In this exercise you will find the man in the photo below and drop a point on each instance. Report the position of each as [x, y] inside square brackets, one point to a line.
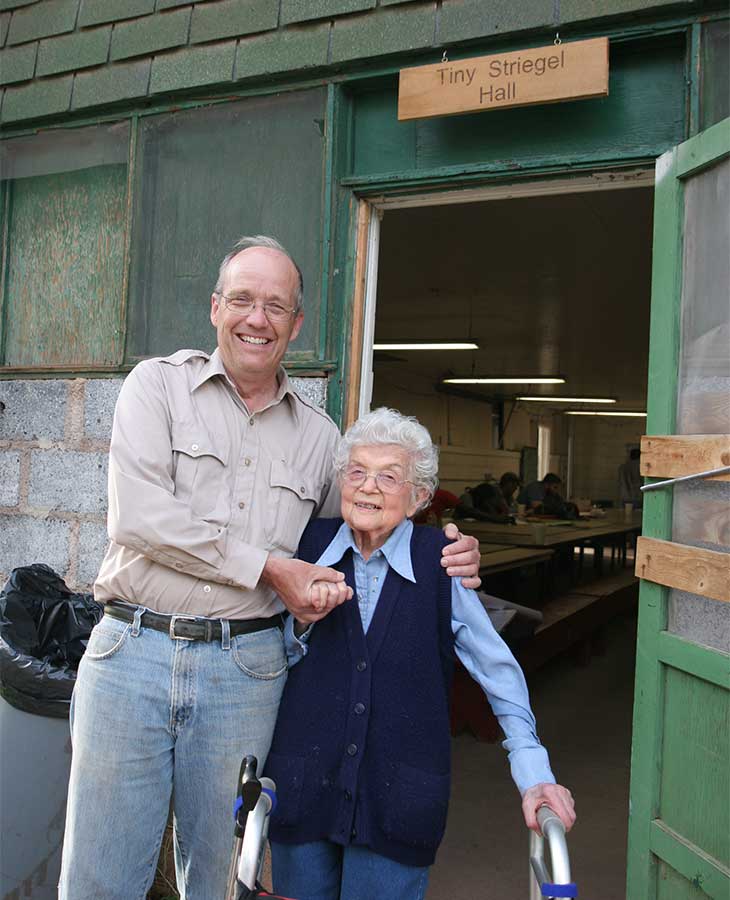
[544, 498]
[509, 483]
[215, 468]
[630, 479]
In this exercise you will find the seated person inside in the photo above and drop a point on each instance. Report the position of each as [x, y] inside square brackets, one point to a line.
[361, 750]
[543, 498]
[489, 501]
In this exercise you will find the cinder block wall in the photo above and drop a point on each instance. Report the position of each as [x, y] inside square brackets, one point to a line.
[54, 443]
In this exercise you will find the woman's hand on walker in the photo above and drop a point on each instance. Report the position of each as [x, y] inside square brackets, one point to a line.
[461, 558]
[557, 797]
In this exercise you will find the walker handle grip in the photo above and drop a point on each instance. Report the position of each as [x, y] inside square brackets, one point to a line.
[249, 791]
[553, 831]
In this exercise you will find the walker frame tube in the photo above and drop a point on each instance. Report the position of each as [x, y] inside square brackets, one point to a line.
[542, 884]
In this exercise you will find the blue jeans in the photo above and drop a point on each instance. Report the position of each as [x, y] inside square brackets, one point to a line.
[152, 719]
[322, 870]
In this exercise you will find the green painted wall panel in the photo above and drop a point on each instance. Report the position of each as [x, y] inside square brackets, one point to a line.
[695, 780]
[206, 177]
[64, 270]
[642, 116]
[673, 886]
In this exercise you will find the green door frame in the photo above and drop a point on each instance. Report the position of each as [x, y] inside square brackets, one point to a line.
[650, 839]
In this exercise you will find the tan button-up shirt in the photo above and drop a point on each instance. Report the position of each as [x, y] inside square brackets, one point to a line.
[201, 490]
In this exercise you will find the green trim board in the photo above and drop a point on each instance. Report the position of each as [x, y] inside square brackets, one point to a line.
[709, 147]
[700, 870]
[695, 659]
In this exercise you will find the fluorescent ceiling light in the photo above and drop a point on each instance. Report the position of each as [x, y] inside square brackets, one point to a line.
[530, 380]
[444, 345]
[568, 399]
[601, 412]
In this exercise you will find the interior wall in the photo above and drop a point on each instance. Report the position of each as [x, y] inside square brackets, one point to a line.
[600, 447]
[460, 428]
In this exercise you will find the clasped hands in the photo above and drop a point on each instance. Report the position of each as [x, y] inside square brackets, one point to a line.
[310, 592]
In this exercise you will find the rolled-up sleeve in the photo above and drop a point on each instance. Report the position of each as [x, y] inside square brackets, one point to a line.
[144, 514]
[491, 664]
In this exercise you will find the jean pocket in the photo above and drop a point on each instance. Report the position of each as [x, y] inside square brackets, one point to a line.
[413, 806]
[107, 638]
[261, 654]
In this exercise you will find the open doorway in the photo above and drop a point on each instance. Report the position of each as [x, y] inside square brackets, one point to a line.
[548, 280]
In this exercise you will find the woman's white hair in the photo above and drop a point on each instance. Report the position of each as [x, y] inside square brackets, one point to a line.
[388, 426]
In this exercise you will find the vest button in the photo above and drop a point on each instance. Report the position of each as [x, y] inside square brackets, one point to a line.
[353, 834]
[361, 665]
[348, 795]
[359, 709]
[351, 749]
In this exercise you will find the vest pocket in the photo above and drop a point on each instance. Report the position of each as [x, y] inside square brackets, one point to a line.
[413, 806]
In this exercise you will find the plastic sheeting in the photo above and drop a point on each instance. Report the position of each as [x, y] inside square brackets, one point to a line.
[44, 631]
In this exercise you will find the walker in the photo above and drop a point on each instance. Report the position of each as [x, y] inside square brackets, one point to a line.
[256, 798]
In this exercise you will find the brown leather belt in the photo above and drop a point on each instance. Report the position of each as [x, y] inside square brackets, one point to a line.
[190, 628]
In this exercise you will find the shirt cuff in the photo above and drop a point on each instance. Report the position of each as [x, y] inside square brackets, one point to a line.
[296, 647]
[243, 564]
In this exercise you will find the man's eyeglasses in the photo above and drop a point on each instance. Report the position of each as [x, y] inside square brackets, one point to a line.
[244, 306]
[387, 482]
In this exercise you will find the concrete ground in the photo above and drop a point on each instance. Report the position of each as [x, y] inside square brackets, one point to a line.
[584, 719]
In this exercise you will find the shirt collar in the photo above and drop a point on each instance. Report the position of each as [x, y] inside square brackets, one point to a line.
[396, 550]
[214, 366]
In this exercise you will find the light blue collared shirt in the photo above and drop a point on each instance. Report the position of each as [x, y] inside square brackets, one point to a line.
[481, 650]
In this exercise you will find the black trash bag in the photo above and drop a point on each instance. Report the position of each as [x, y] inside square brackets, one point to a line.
[44, 630]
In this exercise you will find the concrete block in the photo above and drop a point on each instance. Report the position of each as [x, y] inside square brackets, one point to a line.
[99, 401]
[73, 51]
[27, 540]
[192, 67]
[283, 51]
[121, 81]
[37, 99]
[17, 63]
[463, 20]
[9, 477]
[231, 18]
[93, 542]
[383, 31]
[150, 34]
[313, 389]
[94, 12]
[32, 410]
[43, 19]
[4, 23]
[301, 10]
[68, 481]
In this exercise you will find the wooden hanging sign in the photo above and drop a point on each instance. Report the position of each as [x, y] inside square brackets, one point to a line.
[566, 71]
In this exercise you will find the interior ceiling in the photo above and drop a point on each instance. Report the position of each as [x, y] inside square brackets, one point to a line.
[555, 285]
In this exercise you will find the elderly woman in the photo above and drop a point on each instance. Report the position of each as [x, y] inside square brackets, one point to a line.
[361, 751]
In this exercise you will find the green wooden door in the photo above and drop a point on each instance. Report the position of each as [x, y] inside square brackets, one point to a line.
[679, 826]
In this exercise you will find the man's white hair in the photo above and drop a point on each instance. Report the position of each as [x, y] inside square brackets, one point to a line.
[260, 240]
[388, 426]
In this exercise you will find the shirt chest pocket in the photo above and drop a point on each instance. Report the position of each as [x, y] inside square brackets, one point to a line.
[199, 464]
[293, 497]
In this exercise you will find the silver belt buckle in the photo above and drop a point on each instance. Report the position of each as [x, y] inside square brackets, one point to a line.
[180, 637]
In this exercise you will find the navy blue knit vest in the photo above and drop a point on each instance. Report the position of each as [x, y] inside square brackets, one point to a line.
[362, 753]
